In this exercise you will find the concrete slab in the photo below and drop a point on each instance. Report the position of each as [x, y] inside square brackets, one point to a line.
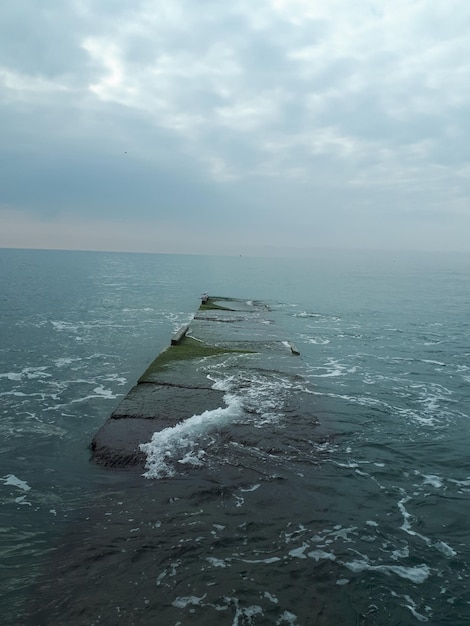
[175, 386]
[146, 409]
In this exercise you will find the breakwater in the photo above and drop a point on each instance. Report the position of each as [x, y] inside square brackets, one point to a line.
[173, 388]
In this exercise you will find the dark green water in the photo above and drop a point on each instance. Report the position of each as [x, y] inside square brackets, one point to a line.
[332, 488]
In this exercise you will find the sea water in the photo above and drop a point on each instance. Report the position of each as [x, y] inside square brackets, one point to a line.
[333, 489]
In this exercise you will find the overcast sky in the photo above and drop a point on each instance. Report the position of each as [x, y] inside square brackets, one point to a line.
[242, 127]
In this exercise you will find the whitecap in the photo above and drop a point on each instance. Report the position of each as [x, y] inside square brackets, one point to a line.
[401, 554]
[410, 604]
[270, 597]
[64, 361]
[268, 561]
[178, 441]
[182, 602]
[298, 553]
[433, 480]
[431, 362]
[193, 458]
[288, 617]
[253, 488]
[216, 562]
[11, 479]
[321, 554]
[239, 501]
[417, 574]
[99, 392]
[445, 549]
[318, 341]
[22, 500]
[11, 376]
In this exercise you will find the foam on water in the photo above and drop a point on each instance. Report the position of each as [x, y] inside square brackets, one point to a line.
[63, 361]
[28, 373]
[407, 526]
[183, 602]
[331, 369]
[98, 392]
[180, 443]
[411, 605]
[262, 396]
[417, 574]
[11, 479]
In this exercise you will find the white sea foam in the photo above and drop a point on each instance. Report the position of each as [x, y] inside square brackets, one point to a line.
[99, 392]
[120, 380]
[194, 458]
[262, 396]
[411, 605]
[404, 553]
[445, 549]
[184, 601]
[332, 368]
[407, 519]
[11, 376]
[306, 314]
[419, 616]
[11, 479]
[252, 488]
[244, 615]
[268, 561]
[28, 373]
[64, 361]
[288, 618]
[64, 326]
[431, 362]
[22, 501]
[180, 442]
[270, 597]
[299, 531]
[343, 533]
[433, 480]
[216, 562]
[239, 500]
[417, 574]
[320, 341]
[298, 553]
[321, 554]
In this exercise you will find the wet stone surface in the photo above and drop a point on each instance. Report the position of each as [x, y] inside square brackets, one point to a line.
[176, 386]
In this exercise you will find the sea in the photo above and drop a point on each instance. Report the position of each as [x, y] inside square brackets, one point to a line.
[332, 488]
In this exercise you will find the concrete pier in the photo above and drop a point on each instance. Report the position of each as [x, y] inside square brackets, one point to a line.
[178, 336]
[174, 387]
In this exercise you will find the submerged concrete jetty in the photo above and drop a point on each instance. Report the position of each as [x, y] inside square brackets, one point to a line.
[174, 388]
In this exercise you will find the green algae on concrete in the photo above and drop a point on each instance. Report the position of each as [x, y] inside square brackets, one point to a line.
[211, 305]
[187, 348]
[176, 385]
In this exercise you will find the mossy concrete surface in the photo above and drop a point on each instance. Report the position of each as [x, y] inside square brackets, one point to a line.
[187, 348]
[176, 386]
[210, 304]
[145, 409]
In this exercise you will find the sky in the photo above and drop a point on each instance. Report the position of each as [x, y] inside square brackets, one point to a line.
[262, 127]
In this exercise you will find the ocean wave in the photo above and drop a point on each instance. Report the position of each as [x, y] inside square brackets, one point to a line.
[181, 443]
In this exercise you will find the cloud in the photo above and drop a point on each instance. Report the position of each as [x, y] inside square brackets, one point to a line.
[286, 114]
